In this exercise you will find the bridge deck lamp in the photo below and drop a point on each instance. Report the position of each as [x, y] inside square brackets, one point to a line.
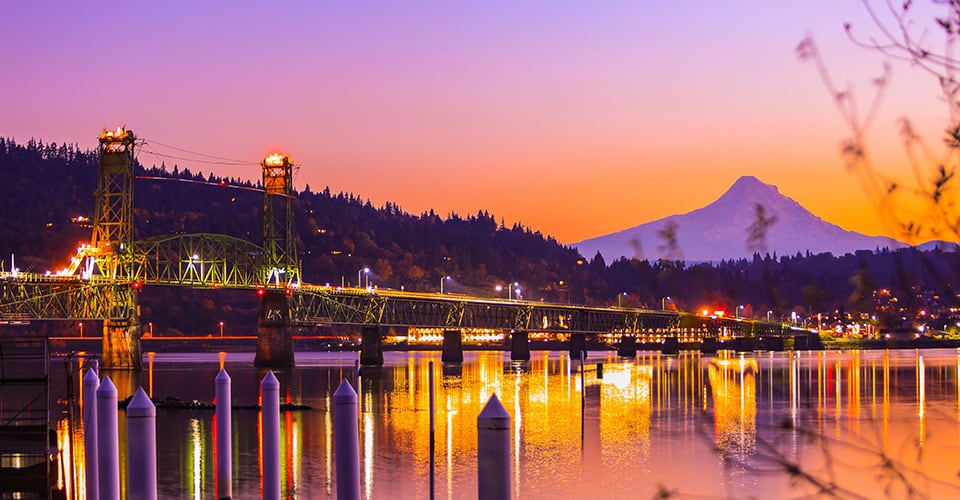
[365, 270]
[445, 278]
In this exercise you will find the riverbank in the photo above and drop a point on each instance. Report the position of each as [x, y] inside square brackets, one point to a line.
[319, 344]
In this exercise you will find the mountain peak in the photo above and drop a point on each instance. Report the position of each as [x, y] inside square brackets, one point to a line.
[724, 229]
[750, 184]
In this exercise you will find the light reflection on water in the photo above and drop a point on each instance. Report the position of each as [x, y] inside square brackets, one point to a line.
[688, 424]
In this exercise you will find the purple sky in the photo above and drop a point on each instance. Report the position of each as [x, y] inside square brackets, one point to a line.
[575, 118]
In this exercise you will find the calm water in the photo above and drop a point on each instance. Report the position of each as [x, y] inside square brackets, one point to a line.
[863, 423]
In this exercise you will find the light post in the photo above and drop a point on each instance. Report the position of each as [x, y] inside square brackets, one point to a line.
[151, 328]
[663, 303]
[736, 312]
[768, 315]
[221, 329]
[510, 289]
[81, 329]
[445, 278]
[619, 295]
[365, 270]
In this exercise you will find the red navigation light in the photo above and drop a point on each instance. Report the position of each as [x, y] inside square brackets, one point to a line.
[288, 292]
[137, 285]
[261, 292]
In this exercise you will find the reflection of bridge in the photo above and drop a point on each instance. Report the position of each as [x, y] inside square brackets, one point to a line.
[103, 280]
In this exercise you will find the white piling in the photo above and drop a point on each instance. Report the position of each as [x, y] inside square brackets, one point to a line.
[493, 451]
[347, 437]
[141, 447]
[91, 462]
[108, 441]
[270, 418]
[433, 439]
[224, 434]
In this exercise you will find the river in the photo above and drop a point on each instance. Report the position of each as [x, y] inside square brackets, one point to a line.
[766, 425]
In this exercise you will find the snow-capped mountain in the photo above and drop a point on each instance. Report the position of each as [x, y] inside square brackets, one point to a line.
[730, 228]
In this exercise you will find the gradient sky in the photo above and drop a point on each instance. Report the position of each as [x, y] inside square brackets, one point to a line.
[574, 118]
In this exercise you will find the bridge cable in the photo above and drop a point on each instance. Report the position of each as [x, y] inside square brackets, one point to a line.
[215, 157]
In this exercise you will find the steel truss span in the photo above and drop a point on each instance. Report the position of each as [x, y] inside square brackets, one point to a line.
[199, 260]
[36, 297]
[325, 306]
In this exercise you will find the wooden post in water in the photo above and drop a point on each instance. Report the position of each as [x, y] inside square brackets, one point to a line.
[493, 451]
[224, 432]
[108, 441]
[141, 447]
[91, 462]
[346, 435]
[270, 423]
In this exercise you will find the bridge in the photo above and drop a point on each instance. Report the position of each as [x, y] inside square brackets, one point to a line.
[103, 279]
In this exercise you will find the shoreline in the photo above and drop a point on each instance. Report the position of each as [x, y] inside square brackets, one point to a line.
[317, 344]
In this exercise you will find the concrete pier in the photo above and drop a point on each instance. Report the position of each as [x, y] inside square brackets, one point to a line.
[578, 344]
[519, 346]
[671, 345]
[452, 346]
[274, 340]
[371, 346]
[627, 348]
[708, 345]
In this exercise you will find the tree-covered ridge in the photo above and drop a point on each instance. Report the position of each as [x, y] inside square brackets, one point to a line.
[49, 185]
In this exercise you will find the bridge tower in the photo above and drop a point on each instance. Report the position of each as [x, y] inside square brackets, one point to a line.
[281, 271]
[111, 252]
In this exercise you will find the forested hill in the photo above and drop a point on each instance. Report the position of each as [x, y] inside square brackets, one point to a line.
[48, 186]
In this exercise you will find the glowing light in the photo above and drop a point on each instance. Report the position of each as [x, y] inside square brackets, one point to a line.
[276, 160]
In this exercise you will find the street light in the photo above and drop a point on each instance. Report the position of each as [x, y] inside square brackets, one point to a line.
[619, 295]
[736, 312]
[663, 303]
[81, 329]
[221, 329]
[365, 270]
[510, 290]
[768, 315]
[445, 278]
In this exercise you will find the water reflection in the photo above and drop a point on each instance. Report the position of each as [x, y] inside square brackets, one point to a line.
[691, 424]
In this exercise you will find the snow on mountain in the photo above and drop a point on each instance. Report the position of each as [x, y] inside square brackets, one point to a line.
[723, 229]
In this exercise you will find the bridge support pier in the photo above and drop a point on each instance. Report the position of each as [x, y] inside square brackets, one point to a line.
[371, 346]
[627, 348]
[671, 345]
[708, 345]
[807, 342]
[121, 337]
[121, 345]
[274, 340]
[452, 347]
[772, 343]
[519, 346]
[578, 344]
[745, 344]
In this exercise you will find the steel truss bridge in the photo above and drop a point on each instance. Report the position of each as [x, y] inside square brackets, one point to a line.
[102, 280]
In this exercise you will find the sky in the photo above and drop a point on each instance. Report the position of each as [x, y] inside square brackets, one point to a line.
[576, 119]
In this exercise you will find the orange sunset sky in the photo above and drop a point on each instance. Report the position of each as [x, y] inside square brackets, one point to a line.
[576, 119]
